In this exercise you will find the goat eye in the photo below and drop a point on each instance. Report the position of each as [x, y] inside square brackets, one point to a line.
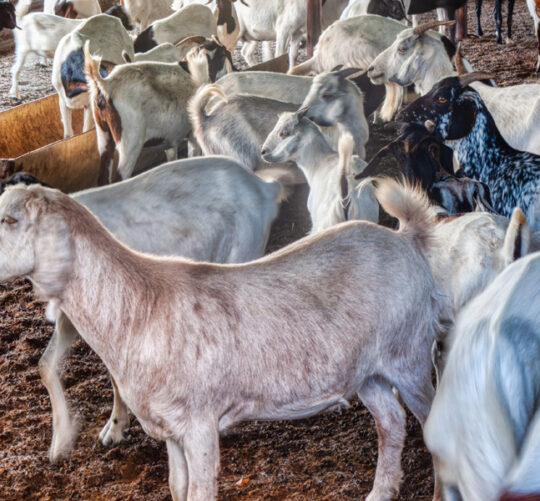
[8, 220]
[402, 50]
[327, 95]
[283, 133]
[442, 100]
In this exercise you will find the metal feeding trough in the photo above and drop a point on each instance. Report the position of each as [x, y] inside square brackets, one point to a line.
[32, 141]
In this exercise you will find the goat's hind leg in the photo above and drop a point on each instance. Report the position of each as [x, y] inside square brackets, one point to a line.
[377, 395]
[178, 472]
[113, 432]
[65, 429]
[478, 9]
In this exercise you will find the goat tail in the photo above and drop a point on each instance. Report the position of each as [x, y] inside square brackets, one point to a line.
[197, 104]
[22, 8]
[91, 70]
[517, 237]
[410, 206]
[304, 68]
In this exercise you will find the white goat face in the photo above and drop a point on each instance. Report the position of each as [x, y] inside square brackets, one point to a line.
[284, 140]
[403, 62]
[323, 104]
[17, 234]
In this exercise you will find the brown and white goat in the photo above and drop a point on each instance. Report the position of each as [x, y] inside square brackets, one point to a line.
[137, 103]
[191, 352]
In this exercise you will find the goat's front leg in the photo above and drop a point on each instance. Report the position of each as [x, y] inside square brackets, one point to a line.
[294, 48]
[113, 432]
[16, 71]
[248, 52]
[88, 122]
[178, 471]
[129, 149]
[201, 447]
[478, 9]
[389, 417]
[65, 113]
[64, 427]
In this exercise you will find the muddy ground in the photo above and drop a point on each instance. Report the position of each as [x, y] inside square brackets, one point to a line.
[330, 456]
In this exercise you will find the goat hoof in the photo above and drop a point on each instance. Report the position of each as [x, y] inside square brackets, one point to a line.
[112, 434]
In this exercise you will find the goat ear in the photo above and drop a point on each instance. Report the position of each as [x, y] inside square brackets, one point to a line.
[125, 57]
[349, 72]
[517, 238]
[463, 116]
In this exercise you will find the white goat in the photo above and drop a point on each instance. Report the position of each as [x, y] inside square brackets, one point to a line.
[422, 57]
[355, 43]
[207, 209]
[486, 407]
[39, 34]
[324, 338]
[145, 12]
[334, 195]
[279, 20]
[135, 104]
[108, 39]
[334, 100]
[192, 20]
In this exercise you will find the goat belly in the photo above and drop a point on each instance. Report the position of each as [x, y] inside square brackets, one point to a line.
[421, 6]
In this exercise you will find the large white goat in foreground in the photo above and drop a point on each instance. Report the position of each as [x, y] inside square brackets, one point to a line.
[197, 347]
[483, 429]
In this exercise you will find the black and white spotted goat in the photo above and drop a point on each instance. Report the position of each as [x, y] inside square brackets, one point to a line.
[462, 119]
[423, 159]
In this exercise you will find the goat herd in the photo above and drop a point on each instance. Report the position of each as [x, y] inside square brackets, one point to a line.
[197, 343]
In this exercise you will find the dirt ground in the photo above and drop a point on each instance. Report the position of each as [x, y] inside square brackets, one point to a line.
[330, 456]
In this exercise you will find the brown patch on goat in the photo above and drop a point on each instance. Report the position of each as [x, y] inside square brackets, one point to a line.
[537, 7]
[107, 116]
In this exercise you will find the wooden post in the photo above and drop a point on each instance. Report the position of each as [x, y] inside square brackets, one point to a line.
[461, 23]
[313, 24]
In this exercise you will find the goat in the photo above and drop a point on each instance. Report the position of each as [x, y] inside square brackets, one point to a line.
[486, 407]
[393, 9]
[187, 379]
[237, 126]
[144, 12]
[292, 89]
[460, 116]
[334, 196]
[497, 15]
[422, 57]
[424, 159]
[355, 43]
[77, 8]
[41, 33]
[224, 216]
[137, 104]
[8, 17]
[534, 9]
[192, 20]
[333, 100]
[279, 20]
[107, 37]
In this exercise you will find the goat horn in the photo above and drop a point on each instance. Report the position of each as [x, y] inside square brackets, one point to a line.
[458, 61]
[348, 72]
[197, 39]
[422, 28]
[469, 78]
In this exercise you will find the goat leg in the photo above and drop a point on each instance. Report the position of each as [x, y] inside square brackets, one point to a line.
[478, 9]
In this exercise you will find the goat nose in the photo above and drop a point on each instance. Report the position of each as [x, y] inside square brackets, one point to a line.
[264, 151]
[370, 69]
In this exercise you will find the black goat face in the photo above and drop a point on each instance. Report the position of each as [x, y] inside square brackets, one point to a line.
[447, 105]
